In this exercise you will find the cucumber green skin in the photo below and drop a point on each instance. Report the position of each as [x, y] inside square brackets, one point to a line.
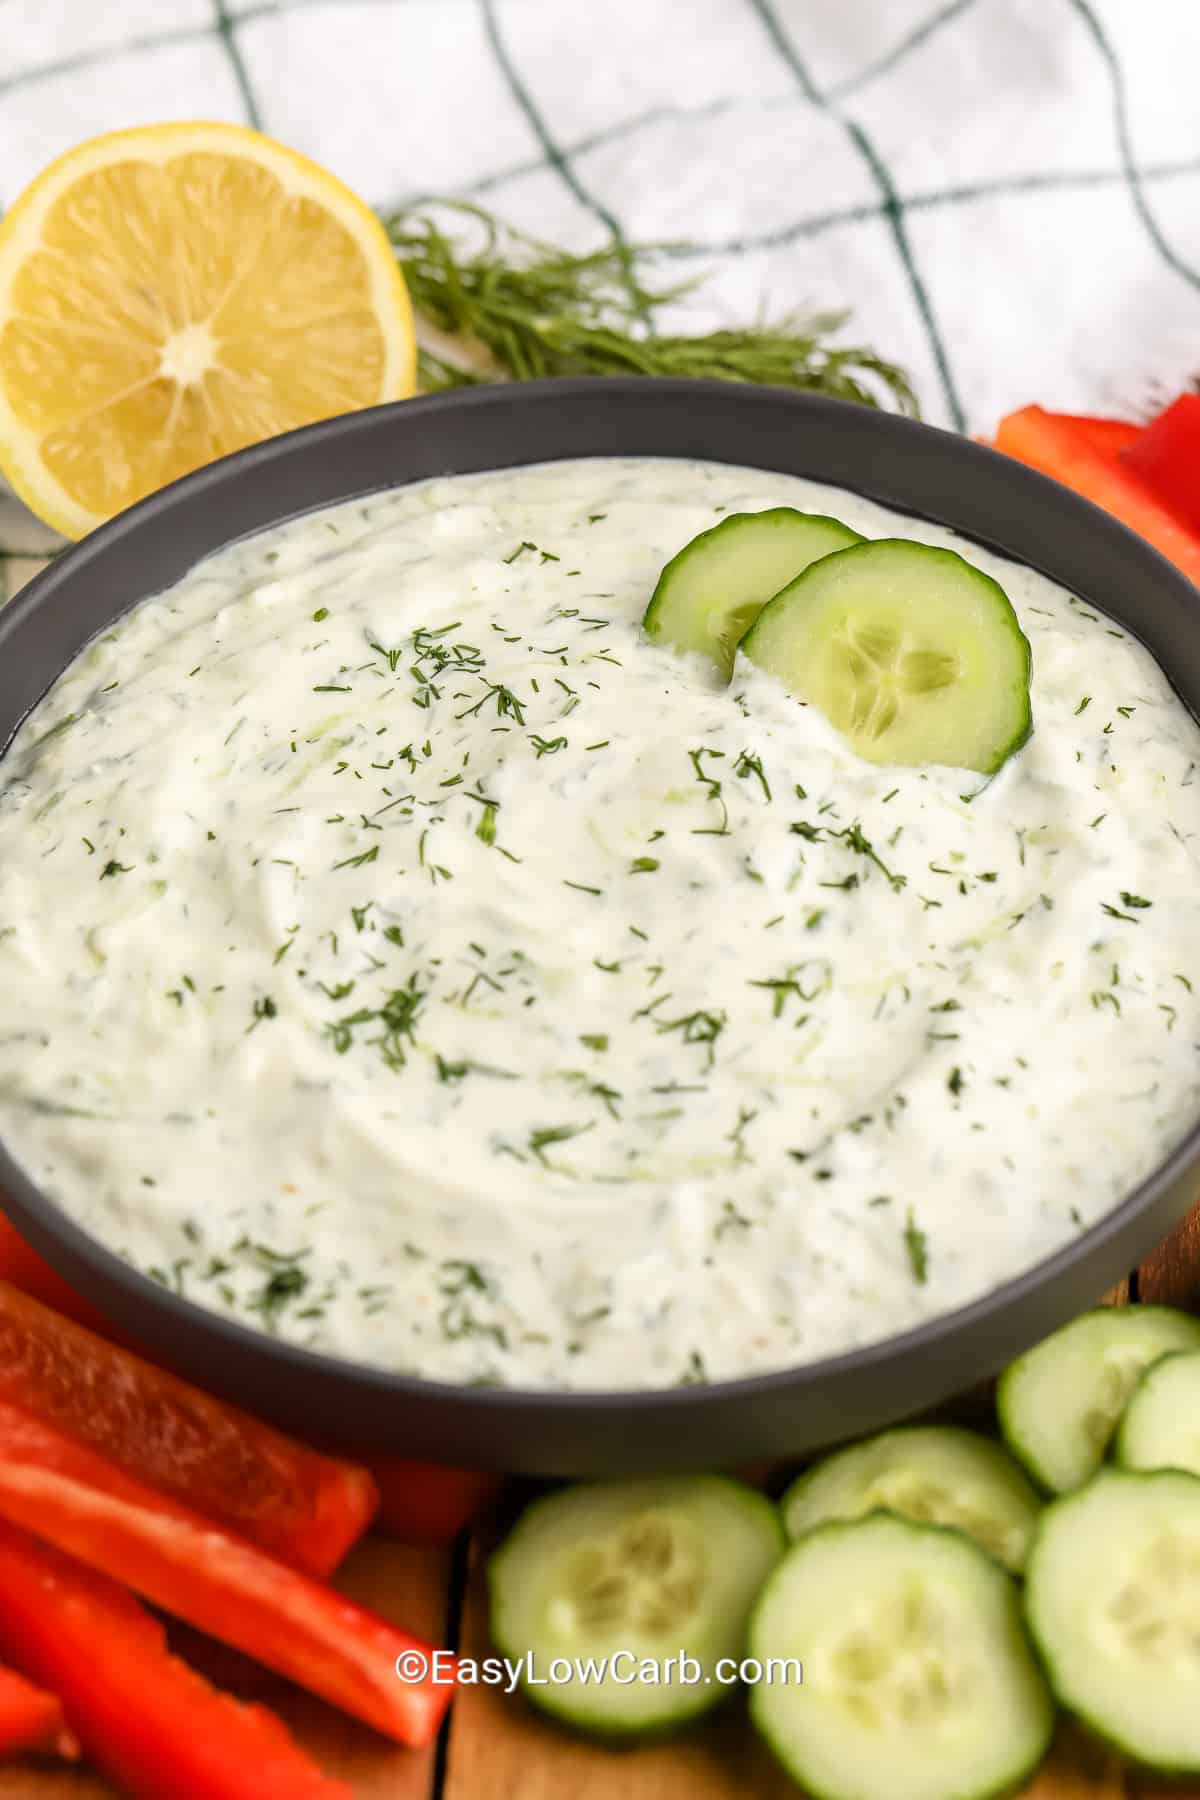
[752, 643]
[1007, 1472]
[653, 621]
[1013, 1782]
[1049, 1663]
[692, 1703]
[1008, 1414]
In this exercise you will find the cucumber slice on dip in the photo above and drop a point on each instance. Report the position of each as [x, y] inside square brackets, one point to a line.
[914, 655]
[933, 1474]
[651, 1568]
[709, 595]
[919, 1682]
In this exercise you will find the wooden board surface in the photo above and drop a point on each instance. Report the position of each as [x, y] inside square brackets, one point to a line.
[495, 1747]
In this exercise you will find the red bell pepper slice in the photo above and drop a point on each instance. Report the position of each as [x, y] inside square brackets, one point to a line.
[426, 1503]
[301, 1506]
[144, 1717]
[1109, 436]
[1166, 455]
[1045, 442]
[21, 1264]
[87, 1506]
[31, 1719]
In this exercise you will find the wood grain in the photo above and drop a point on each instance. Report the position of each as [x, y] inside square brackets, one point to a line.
[1171, 1275]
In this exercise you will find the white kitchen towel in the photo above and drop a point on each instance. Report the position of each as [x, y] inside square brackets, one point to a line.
[1006, 193]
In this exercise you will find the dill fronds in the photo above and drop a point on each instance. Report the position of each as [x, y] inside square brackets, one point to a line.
[510, 307]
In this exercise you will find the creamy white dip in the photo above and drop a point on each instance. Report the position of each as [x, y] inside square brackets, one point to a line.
[400, 953]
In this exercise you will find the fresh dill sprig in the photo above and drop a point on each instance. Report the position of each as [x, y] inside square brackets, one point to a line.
[508, 306]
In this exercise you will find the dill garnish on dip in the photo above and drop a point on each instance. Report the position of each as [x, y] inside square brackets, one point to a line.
[402, 951]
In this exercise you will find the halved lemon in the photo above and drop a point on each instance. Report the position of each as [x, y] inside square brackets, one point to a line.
[173, 293]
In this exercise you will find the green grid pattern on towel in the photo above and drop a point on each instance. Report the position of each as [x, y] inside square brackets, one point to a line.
[883, 202]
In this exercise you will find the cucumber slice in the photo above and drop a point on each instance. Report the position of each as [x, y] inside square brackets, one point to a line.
[1060, 1402]
[914, 655]
[652, 1568]
[1112, 1597]
[1160, 1428]
[709, 595]
[919, 1683]
[934, 1474]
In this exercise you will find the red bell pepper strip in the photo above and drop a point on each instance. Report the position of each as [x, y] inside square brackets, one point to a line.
[425, 1503]
[21, 1264]
[31, 1719]
[1166, 455]
[1045, 442]
[91, 1509]
[301, 1506]
[1109, 436]
[144, 1717]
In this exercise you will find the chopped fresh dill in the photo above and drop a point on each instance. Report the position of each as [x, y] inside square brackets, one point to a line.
[780, 986]
[747, 766]
[397, 1015]
[507, 704]
[264, 1008]
[700, 1027]
[547, 1135]
[917, 1245]
[696, 758]
[357, 862]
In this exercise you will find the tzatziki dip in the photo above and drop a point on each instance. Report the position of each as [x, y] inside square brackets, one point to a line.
[403, 953]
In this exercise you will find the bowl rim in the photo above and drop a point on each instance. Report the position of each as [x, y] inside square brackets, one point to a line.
[51, 1230]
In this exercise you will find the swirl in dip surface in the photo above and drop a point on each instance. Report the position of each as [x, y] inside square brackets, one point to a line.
[399, 952]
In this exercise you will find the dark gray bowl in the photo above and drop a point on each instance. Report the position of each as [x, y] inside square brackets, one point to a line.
[908, 466]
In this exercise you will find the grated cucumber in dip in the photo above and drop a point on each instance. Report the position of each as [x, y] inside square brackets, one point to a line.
[402, 953]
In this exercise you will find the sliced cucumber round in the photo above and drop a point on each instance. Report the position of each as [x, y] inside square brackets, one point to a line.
[1059, 1403]
[1160, 1428]
[919, 1683]
[709, 595]
[934, 1474]
[650, 1568]
[914, 655]
[1113, 1597]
